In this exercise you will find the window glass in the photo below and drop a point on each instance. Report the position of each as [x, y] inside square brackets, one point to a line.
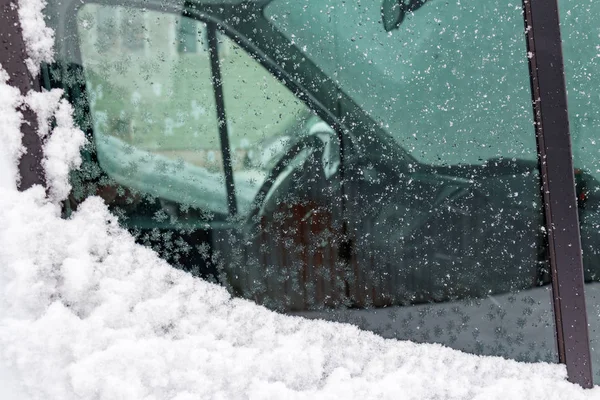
[133, 27]
[154, 114]
[106, 20]
[188, 34]
[263, 118]
[157, 140]
[419, 217]
[580, 30]
[446, 247]
[437, 96]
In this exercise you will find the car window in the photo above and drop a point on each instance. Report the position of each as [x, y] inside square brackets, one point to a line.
[169, 125]
[231, 167]
[263, 118]
[448, 84]
[153, 108]
[156, 124]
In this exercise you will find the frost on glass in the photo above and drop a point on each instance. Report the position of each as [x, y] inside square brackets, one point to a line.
[309, 159]
[580, 30]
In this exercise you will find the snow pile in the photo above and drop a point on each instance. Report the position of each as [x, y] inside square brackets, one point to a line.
[39, 39]
[62, 151]
[62, 148]
[44, 104]
[10, 132]
[90, 314]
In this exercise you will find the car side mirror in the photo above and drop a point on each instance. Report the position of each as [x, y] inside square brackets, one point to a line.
[392, 14]
[394, 11]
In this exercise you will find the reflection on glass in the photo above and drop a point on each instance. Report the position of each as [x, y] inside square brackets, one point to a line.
[418, 217]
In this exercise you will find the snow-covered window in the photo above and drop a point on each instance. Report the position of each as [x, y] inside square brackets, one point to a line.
[317, 162]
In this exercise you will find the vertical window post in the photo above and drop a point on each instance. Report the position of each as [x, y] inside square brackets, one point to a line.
[211, 33]
[558, 183]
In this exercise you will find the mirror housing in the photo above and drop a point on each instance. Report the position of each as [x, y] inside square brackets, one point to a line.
[394, 11]
[392, 14]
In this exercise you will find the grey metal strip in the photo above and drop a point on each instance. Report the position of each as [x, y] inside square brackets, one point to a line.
[558, 185]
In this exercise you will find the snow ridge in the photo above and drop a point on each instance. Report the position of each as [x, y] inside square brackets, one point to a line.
[10, 132]
[39, 39]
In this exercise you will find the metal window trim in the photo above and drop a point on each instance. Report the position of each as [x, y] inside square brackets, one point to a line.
[548, 90]
[217, 82]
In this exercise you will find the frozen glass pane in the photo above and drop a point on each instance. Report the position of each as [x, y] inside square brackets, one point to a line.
[258, 135]
[444, 221]
[155, 129]
[449, 83]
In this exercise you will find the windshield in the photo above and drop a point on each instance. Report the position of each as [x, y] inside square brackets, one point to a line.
[450, 84]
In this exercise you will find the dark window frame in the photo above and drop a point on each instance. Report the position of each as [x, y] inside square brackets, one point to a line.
[217, 85]
[555, 155]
